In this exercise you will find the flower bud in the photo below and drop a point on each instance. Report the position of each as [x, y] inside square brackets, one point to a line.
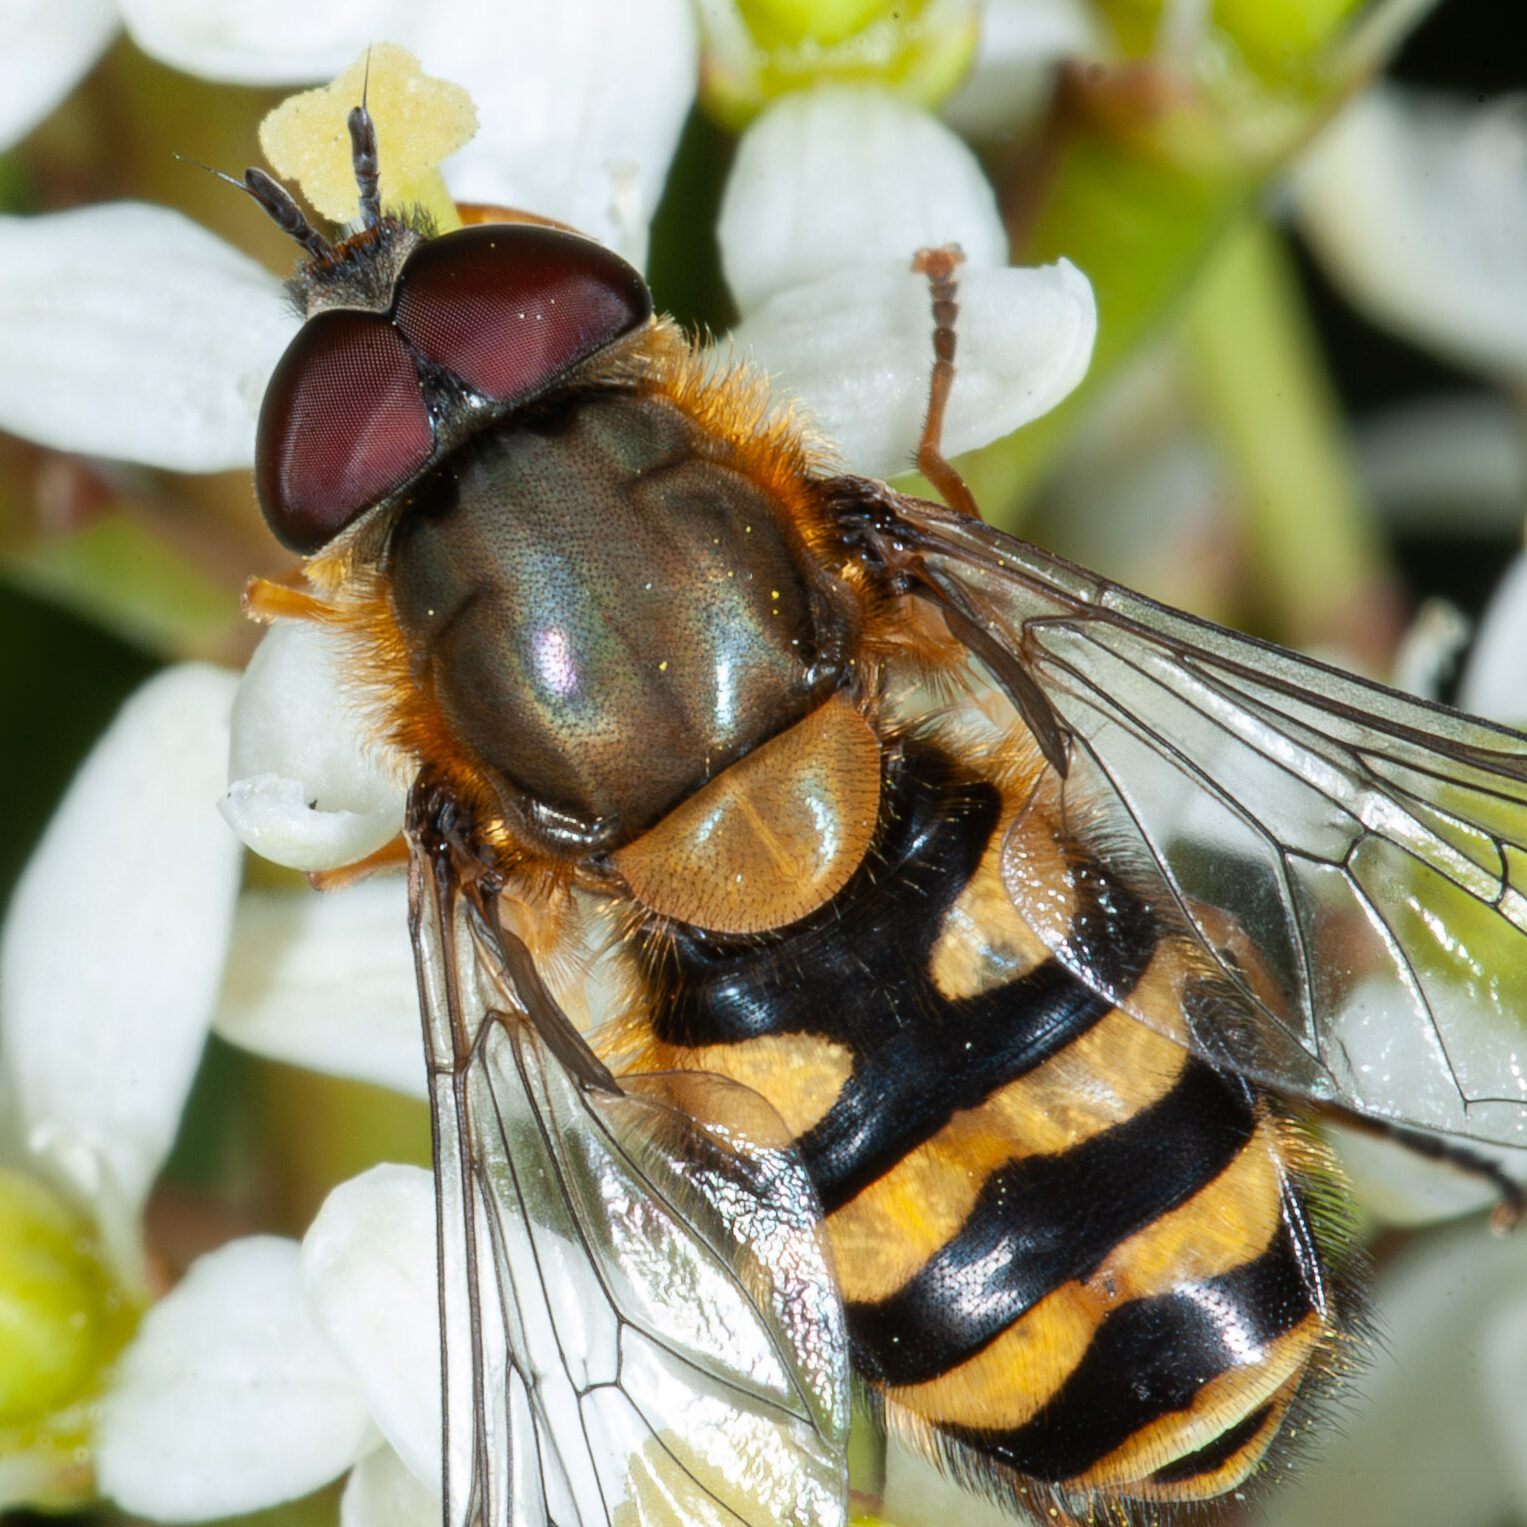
[62, 1322]
[757, 50]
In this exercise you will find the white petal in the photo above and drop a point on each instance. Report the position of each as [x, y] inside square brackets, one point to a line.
[919, 1494]
[228, 1398]
[382, 1493]
[261, 42]
[842, 175]
[1495, 682]
[327, 981]
[307, 787]
[580, 105]
[1430, 651]
[273, 815]
[857, 349]
[1503, 1375]
[1399, 1187]
[1418, 207]
[1457, 459]
[1415, 1444]
[45, 46]
[1022, 43]
[113, 949]
[130, 332]
[368, 1268]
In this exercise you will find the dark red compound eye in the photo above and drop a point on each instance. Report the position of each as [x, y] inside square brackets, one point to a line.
[342, 425]
[510, 307]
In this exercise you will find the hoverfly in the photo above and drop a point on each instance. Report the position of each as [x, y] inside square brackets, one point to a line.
[972, 928]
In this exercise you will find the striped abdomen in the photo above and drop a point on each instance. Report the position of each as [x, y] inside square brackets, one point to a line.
[1069, 1251]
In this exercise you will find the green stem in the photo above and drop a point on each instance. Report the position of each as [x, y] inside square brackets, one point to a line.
[1268, 400]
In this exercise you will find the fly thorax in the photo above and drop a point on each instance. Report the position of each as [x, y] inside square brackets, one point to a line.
[607, 613]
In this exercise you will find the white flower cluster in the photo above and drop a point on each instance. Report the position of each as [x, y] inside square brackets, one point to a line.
[127, 332]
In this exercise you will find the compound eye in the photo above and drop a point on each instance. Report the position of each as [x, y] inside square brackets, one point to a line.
[343, 424]
[510, 307]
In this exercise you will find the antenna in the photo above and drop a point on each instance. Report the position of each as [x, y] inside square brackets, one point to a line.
[363, 155]
[282, 209]
[279, 204]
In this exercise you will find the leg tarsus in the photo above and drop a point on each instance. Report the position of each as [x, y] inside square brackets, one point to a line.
[265, 601]
[1511, 1197]
[1510, 1203]
[939, 266]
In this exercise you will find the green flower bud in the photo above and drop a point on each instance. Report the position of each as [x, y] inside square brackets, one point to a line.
[1282, 41]
[1281, 37]
[62, 1322]
[756, 50]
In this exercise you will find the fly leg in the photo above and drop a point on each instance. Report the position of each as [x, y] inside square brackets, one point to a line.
[939, 265]
[1511, 1198]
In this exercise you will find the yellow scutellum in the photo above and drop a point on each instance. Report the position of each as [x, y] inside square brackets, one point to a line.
[419, 121]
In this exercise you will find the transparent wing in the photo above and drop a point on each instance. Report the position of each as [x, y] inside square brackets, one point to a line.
[1350, 859]
[640, 1325]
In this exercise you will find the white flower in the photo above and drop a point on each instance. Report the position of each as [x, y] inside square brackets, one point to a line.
[1417, 205]
[831, 191]
[157, 349]
[110, 959]
[1495, 681]
[229, 1396]
[594, 157]
[45, 47]
[272, 1369]
[248, 1384]
[132, 333]
[307, 788]
[327, 981]
[112, 954]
